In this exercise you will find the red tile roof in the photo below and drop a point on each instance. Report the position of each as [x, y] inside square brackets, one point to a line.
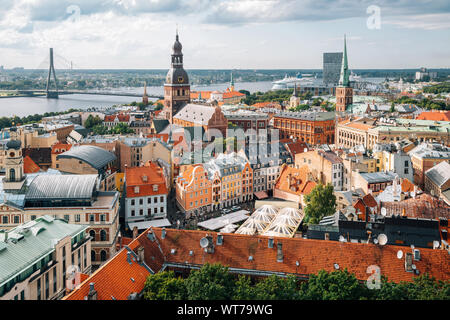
[407, 186]
[59, 148]
[120, 117]
[232, 94]
[113, 280]
[161, 136]
[145, 178]
[29, 166]
[114, 277]
[437, 115]
[312, 255]
[299, 182]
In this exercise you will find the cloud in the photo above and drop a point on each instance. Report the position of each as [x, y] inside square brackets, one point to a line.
[240, 12]
[425, 21]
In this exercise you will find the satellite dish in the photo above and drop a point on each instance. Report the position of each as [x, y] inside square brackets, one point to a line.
[375, 241]
[341, 238]
[412, 246]
[204, 242]
[435, 244]
[399, 254]
[382, 239]
[383, 212]
[336, 266]
[413, 267]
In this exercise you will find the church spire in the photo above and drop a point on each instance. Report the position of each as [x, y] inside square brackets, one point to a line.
[231, 83]
[344, 78]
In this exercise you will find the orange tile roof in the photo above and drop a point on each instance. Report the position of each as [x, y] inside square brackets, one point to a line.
[298, 180]
[120, 117]
[161, 136]
[370, 201]
[58, 148]
[135, 176]
[113, 279]
[359, 126]
[312, 255]
[29, 166]
[407, 186]
[232, 94]
[205, 94]
[434, 115]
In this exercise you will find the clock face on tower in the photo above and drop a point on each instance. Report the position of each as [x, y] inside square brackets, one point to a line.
[180, 79]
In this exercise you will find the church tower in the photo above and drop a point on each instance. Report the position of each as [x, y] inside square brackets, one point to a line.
[14, 177]
[145, 96]
[176, 88]
[344, 93]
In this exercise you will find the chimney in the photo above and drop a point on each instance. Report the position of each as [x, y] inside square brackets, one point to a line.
[327, 236]
[92, 295]
[151, 235]
[279, 252]
[270, 243]
[219, 239]
[163, 233]
[135, 232]
[140, 254]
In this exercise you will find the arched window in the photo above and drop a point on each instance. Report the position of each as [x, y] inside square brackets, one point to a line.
[103, 255]
[93, 257]
[103, 235]
[92, 234]
[12, 174]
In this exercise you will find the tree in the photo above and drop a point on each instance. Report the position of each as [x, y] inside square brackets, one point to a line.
[337, 285]
[159, 106]
[277, 288]
[121, 128]
[164, 286]
[320, 202]
[247, 93]
[100, 129]
[211, 282]
[243, 289]
[392, 107]
[92, 121]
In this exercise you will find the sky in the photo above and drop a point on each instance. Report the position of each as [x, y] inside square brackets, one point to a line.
[225, 34]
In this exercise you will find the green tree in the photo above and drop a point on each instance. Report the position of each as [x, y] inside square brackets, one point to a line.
[277, 288]
[211, 282]
[320, 202]
[100, 129]
[337, 285]
[121, 128]
[243, 289]
[247, 93]
[164, 286]
[159, 106]
[392, 109]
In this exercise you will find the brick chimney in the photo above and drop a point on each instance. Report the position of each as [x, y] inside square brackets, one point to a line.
[135, 232]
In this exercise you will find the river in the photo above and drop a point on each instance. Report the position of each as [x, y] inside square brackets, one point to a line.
[32, 105]
[25, 106]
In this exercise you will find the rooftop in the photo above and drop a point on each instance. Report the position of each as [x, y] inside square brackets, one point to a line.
[94, 156]
[29, 242]
[439, 174]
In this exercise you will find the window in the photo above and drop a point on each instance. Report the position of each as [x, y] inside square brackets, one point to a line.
[16, 219]
[141, 201]
[47, 289]
[132, 213]
[161, 199]
[93, 257]
[103, 255]
[91, 218]
[84, 256]
[33, 217]
[141, 212]
[103, 217]
[38, 289]
[67, 217]
[77, 218]
[5, 219]
[103, 235]
[162, 209]
[55, 281]
[149, 200]
[155, 199]
[92, 234]
[132, 202]
[155, 210]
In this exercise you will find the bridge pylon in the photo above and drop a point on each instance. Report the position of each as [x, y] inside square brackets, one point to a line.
[51, 71]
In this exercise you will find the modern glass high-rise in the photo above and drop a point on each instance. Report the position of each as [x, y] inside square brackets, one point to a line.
[332, 62]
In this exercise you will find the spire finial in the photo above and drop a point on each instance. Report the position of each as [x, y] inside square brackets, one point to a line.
[177, 32]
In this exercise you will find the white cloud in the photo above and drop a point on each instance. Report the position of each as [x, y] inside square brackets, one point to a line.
[424, 21]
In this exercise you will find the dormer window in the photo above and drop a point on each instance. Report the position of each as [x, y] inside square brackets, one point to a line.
[155, 187]
[136, 189]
